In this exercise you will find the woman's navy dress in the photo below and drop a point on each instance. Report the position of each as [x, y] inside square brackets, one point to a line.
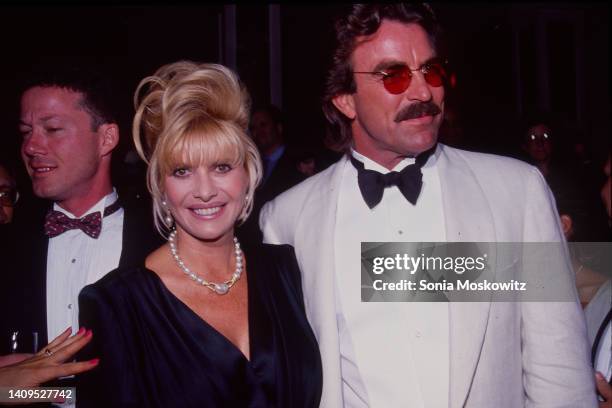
[156, 352]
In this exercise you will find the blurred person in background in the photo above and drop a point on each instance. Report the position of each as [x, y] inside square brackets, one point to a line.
[8, 194]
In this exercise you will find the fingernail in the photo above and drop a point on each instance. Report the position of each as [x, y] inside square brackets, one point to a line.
[599, 376]
[81, 330]
[89, 333]
[68, 329]
[94, 361]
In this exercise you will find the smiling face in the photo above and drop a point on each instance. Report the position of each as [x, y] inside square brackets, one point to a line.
[59, 149]
[206, 200]
[377, 132]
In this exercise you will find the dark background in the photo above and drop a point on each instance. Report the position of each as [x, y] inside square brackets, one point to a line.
[509, 58]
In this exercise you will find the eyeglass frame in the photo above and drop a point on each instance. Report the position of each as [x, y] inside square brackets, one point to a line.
[432, 61]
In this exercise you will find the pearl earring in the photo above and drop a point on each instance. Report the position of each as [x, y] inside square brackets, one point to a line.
[168, 220]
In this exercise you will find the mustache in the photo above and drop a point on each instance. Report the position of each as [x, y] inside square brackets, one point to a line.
[416, 110]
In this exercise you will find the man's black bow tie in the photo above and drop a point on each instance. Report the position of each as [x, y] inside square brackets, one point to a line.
[372, 184]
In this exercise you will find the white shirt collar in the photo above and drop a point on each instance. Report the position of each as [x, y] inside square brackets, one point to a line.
[99, 206]
[370, 164]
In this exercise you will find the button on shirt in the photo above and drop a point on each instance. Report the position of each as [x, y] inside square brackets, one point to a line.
[75, 260]
[379, 368]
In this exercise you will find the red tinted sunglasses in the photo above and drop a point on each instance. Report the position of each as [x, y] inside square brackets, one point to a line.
[397, 79]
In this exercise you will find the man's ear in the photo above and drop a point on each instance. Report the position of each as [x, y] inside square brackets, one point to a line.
[567, 225]
[109, 137]
[345, 104]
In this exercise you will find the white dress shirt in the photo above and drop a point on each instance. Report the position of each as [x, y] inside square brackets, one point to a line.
[378, 367]
[74, 260]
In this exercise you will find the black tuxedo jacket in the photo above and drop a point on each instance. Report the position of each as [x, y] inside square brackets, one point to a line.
[23, 300]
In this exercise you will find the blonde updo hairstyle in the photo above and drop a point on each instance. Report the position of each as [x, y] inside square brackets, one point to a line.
[189, 114]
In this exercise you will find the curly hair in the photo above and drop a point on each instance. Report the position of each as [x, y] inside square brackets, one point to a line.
[192, 113]
[364, 20]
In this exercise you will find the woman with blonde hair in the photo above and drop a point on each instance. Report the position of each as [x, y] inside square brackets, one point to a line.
[202, 323]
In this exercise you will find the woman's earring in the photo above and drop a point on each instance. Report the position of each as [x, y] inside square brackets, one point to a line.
[247, 200]
[168, 220]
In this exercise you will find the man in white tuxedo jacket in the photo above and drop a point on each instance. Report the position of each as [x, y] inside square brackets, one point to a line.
[385, 97]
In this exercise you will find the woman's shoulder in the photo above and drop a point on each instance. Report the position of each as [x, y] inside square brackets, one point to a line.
[276, 262]
[281, 250]
[119, 282]
[271, 255]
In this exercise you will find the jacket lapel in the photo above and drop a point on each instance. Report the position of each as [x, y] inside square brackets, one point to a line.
[316, 255]
[468, 218]
[27, 282]
[38, 282]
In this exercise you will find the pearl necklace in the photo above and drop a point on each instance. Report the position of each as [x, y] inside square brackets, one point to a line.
[218, 288]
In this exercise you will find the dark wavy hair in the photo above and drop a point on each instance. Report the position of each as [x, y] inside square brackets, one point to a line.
[364, 20]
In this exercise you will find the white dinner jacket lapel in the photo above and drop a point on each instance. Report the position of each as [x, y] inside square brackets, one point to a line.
[469, 219]
[315, 253]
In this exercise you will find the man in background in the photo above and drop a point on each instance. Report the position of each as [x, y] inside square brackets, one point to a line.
[8, 195]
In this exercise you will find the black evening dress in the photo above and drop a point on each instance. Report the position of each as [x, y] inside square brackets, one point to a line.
[156, 352]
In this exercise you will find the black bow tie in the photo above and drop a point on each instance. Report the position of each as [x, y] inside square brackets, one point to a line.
[372, 184]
